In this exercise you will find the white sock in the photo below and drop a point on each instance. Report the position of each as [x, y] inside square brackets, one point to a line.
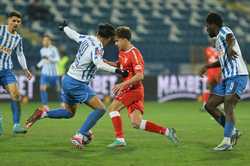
[234, 131]
[167, 132]
[121, 139]
[227, 140]
[143, 124]
[16, 124]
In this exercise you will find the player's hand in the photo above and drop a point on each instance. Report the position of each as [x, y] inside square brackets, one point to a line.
[123, 73]
[28, 74]
[232, 53]
[62, 25]
[118, 88]
[202, 71]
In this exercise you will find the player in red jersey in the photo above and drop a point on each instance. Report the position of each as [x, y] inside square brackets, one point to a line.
[130, 92]
[213, 74]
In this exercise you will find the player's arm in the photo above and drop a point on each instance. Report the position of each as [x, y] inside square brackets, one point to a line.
[207, 66]
[72, 34]
[114, 64]
[22, 60]
[100, 64]
[230, 44]
[139, 76]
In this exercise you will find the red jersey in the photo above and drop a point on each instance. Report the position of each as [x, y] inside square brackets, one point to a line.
[211, 55]
[213, 74]
[132, 61]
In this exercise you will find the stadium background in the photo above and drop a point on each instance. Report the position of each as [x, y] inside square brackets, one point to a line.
[170, 34]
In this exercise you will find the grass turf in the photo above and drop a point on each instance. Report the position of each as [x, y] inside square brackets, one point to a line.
[48, 141]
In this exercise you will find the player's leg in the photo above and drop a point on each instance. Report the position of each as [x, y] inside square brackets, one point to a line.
[15, 107]
[211, 107]
[137, 121]
[114, 113]
[84, 134]
[68, 111]
[44, 82]
[98, 111]
[71, 103]
[234, 88]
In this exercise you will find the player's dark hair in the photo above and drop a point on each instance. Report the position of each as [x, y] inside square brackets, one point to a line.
[14, 14]
[106, 30]
[123, 32]
[214, 18]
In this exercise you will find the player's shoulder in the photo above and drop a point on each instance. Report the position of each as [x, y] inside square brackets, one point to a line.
[136, 52]
[92, 41]
[225, 30]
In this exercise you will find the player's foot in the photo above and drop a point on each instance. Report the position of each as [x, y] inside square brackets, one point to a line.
[223, 147]
[35, 116]
[172, 136]
[17, 129]
[235, 137]
[77, 141]
[116, 144]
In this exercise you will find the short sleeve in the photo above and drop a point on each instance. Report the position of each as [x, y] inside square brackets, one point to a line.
[137, 61]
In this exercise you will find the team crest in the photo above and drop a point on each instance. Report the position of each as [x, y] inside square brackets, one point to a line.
[98, 52]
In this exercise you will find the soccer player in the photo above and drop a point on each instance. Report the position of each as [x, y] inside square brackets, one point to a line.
[234, 79]
[49, 75]
[75, 87]
[130, 93]
[11, 41]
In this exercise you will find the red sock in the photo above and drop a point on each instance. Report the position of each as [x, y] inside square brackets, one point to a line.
[152, 127]
[117, 123]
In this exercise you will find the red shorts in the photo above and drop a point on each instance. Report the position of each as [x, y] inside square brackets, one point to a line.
[133, 99]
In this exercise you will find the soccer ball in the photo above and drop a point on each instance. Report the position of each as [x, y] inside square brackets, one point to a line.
[88, 139]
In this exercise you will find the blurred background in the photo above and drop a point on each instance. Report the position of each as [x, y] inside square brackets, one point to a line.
[170, 34]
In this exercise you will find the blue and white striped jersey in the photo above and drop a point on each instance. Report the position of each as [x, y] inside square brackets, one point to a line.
[52, 57]
[10, 42]
[89, 53]
[230, 67]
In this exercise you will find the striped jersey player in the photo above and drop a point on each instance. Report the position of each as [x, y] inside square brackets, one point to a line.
[49, 76]
[11, 43]
[233, 83]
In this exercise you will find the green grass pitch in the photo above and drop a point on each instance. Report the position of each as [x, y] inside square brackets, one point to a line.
[48, 141]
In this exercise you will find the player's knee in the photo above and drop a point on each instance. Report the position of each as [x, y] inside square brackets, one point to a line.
[111, 109]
